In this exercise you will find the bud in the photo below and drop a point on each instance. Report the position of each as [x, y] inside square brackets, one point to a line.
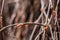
[54, 13]
[19, 25]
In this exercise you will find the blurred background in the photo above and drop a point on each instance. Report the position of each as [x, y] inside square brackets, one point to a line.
[29, 19]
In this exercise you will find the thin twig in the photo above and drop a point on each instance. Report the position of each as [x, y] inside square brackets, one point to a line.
[51, 32]
[28, 23]
[14, 12]
[2, 7]
[35, 26]
[39, 34]
[2, 17]
[42, 7]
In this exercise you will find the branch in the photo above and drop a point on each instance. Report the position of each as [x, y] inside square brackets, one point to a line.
[28, 23]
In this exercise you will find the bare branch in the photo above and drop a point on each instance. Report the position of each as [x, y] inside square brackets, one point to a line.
[28, 23]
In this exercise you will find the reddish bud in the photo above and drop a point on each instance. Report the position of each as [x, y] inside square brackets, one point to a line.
[19, 25]
[46, 27]
[54, 14]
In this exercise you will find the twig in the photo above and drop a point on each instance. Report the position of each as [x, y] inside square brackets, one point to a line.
[35, 26]
[47, 13]
[43, 35]
[14, 12]
[2, 17]
[39, 33]
[51, 32]
[28, 23]
[31, 17]
[18, 31]
[2, 7]
[42, 7]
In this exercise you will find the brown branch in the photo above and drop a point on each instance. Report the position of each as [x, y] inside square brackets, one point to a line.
[29, 23]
